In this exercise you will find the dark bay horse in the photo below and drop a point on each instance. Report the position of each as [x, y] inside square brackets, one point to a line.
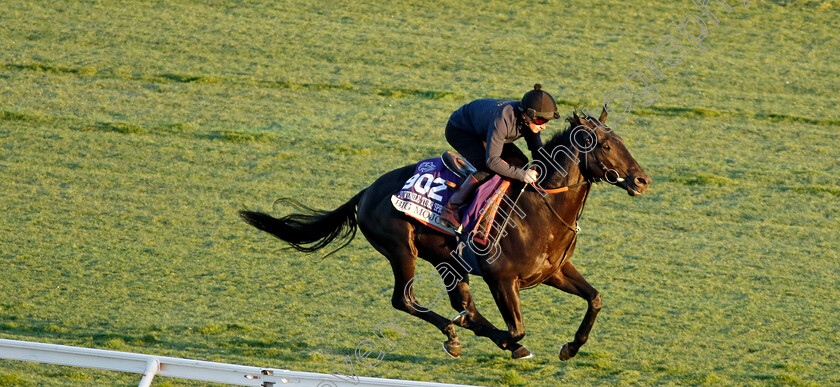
[535, 251]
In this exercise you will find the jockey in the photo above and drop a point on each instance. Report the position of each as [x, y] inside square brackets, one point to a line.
[483, 132]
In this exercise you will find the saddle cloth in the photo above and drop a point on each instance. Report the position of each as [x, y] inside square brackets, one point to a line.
[423, 196]
[429, 189]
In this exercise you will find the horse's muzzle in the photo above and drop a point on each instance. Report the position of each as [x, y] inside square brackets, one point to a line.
[636, 185]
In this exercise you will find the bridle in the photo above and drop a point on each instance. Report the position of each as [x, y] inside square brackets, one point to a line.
[576, 228]
[588, 181]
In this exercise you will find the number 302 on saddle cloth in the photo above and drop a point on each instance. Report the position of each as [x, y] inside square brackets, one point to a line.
[428, 190]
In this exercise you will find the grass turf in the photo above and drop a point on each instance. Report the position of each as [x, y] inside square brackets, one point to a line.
[132, 132]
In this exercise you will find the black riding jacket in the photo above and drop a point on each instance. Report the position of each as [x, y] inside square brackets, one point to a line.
[496, 121]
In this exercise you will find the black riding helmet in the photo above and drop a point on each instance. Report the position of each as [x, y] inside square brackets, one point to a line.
[539, 104]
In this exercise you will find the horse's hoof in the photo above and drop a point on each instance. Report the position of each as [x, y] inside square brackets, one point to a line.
[566, 352]
[452, 348]
[522, 353]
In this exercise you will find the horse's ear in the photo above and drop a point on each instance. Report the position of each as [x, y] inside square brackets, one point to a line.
[577, 121]
[603, 116]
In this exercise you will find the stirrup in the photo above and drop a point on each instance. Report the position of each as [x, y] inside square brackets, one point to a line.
[457, 227]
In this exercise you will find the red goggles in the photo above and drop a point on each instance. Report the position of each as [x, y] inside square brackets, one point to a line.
[539, 121]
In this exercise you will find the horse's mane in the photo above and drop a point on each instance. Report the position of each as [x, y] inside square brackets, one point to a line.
[561, 138]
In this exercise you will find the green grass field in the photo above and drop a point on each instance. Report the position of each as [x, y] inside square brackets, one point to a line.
[132, 132]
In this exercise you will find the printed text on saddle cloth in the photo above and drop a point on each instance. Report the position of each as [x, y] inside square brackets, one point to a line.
[426, 192]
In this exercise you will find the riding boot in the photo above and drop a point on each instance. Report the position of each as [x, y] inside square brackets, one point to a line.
[451, 214]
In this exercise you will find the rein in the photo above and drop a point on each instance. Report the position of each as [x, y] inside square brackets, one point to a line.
[561, 189]
[576, 228]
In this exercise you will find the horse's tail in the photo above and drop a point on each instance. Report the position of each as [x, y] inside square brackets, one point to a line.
[314, 229]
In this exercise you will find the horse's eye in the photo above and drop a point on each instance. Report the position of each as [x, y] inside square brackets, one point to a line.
[606, 147]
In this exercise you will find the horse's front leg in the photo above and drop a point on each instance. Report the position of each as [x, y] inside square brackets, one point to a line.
[506, 294]
[569, 280]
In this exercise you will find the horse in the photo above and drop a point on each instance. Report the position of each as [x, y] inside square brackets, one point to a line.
[536, 251]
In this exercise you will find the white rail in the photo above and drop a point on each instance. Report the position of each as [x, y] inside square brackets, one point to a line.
[150, 366]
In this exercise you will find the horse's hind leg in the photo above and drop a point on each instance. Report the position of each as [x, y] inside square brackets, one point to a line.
[403, 258]
[456, 282]
[391, 234]
[569, 280]
[506, 294]
[461, 300]
[403, 299]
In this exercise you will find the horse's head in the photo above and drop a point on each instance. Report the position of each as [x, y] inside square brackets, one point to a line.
[603, 155]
